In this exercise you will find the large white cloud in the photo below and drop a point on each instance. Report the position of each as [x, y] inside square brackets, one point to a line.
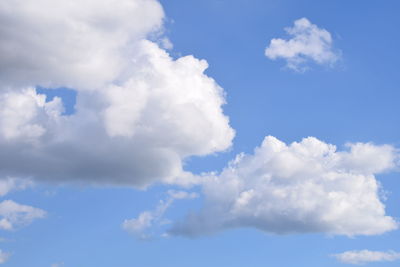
[77, 44]
[308, 43]
[366, 256]
[303, 187]
[139, 112]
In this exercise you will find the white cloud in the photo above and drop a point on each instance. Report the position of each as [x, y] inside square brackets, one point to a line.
[77, 44]
[366, 256]
[10, 184]
[166, 43]
[308, 42]
[303, 187]
[140, 227]
[57, 264]
[174, 194]
[18, 112]
[14, 215]
[4, 256]
[139, 113]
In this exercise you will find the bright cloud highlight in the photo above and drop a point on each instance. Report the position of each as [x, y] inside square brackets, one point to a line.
[76, 44]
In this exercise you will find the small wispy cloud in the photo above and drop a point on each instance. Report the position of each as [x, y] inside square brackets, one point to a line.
[4, 256]
[13, 214]
[366, 256]
[141, 225]
[308, 43]
[11, 184]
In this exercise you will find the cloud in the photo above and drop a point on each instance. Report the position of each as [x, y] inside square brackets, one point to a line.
[166, 43]
[77, 44]
[14, 215]
[304, 187]
[140, 227]
[10, 184]
[57, 264]
[308, 43]
[366, 256]
[4, 256]
[139, 113]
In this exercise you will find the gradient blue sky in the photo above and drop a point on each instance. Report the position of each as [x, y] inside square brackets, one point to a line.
[355, 100]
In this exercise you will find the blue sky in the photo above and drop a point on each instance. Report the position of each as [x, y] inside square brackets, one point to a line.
[115, 154]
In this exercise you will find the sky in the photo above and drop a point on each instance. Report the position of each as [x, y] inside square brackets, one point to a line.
[199, 133]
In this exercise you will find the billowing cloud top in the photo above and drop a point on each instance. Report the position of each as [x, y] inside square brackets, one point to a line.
[139, 112]
[298, 188]
[77, 44]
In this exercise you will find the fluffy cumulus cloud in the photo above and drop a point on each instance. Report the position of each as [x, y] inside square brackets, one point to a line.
[307, 186]
[14, 215]
[141, 226]
[78, 44]
[139, 113]
[366, 256]
[307, 43]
